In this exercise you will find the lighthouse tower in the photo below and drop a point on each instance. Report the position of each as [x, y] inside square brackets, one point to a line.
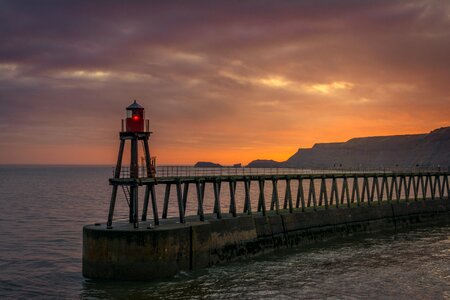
[136, 129]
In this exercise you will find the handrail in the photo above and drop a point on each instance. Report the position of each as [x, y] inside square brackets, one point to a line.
[189, 171]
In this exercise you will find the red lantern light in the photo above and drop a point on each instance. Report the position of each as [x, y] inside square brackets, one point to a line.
[135, 118]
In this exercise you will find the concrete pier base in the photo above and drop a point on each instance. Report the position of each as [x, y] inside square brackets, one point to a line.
[126, 253]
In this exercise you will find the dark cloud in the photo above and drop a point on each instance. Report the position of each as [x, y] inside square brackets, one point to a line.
[281, 69]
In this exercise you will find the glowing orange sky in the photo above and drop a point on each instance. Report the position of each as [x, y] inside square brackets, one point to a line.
[226, 82]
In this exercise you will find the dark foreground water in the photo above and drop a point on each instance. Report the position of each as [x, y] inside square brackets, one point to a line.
[43, 209]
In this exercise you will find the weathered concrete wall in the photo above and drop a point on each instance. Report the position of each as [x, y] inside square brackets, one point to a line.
[145, 254]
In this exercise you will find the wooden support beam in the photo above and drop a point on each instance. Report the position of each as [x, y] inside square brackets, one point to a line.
[247, 204]
[355, 191]
[334, 192]
[400, 186]
[300, 195]
[119, 159]
[200, 193]
[437, 186]
[288, 196]
[262, 200]
[323, 193]
[415, 185]
[394, 185]
[134, 174]
[408, 187]
[232, 210]
[154, 204]
[145, 206]
[148, 163]
[117, 171]
[375, 188]
[432, 186]
[185, 195]
[345, 192]
[445, 183]
[275, 201]
[166, 201]
[180, 202]
[365, 190]
[217, 209]
[312, 193]
[424, 185]
[385, 187]
[112, 204]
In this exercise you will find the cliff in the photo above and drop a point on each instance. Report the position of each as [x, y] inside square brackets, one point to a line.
[402, 151]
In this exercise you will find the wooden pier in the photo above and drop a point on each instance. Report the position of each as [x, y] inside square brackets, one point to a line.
[337, 188]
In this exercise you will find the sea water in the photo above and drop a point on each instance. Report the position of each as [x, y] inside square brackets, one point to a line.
[43, 210]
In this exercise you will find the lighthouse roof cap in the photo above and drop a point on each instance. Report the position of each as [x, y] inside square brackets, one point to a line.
[135, 105]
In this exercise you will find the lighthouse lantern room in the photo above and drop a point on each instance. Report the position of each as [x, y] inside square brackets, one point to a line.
[135, 118]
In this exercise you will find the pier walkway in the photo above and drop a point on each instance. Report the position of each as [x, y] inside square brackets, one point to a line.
[315, 188]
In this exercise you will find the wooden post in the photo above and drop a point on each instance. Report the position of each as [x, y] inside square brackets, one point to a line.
[345, 192]
[134, 173]
[432, 186]
[400, 186]
[145, 206]
[444, 183]
[437, 186]
[408, 187]
[262, 200]
[233, 197]
[312, 193]
[185, 195]
[117, 170]
[148, 163]
[334, 192]
[247, 205]
[300, 194]
[365, 190]
[200, 194]
[180, 202]
[355, 190]
[275, 200]
[415, 187]
[154, 205]
[375, 187]
[384, 186]
[217, 209]
[424, 187]
[166, 201]
[288, 195]
[397, 189]
[323, 193]
[392, 187]
[111, 206]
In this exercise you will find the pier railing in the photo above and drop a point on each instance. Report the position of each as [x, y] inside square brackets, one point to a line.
[315, 189]
[189, 171]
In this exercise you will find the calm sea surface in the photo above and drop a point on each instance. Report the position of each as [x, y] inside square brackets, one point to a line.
[43, 210]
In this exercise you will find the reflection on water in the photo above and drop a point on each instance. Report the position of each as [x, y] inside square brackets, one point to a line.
[43, 211]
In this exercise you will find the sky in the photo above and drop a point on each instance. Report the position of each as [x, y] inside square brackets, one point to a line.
[221, 81]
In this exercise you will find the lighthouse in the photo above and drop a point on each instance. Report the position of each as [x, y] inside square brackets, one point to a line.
[135, 129]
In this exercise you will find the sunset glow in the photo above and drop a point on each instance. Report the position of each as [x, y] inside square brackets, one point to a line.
[222, 81]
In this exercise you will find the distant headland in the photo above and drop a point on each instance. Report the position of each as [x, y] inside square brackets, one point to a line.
[398, 151]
